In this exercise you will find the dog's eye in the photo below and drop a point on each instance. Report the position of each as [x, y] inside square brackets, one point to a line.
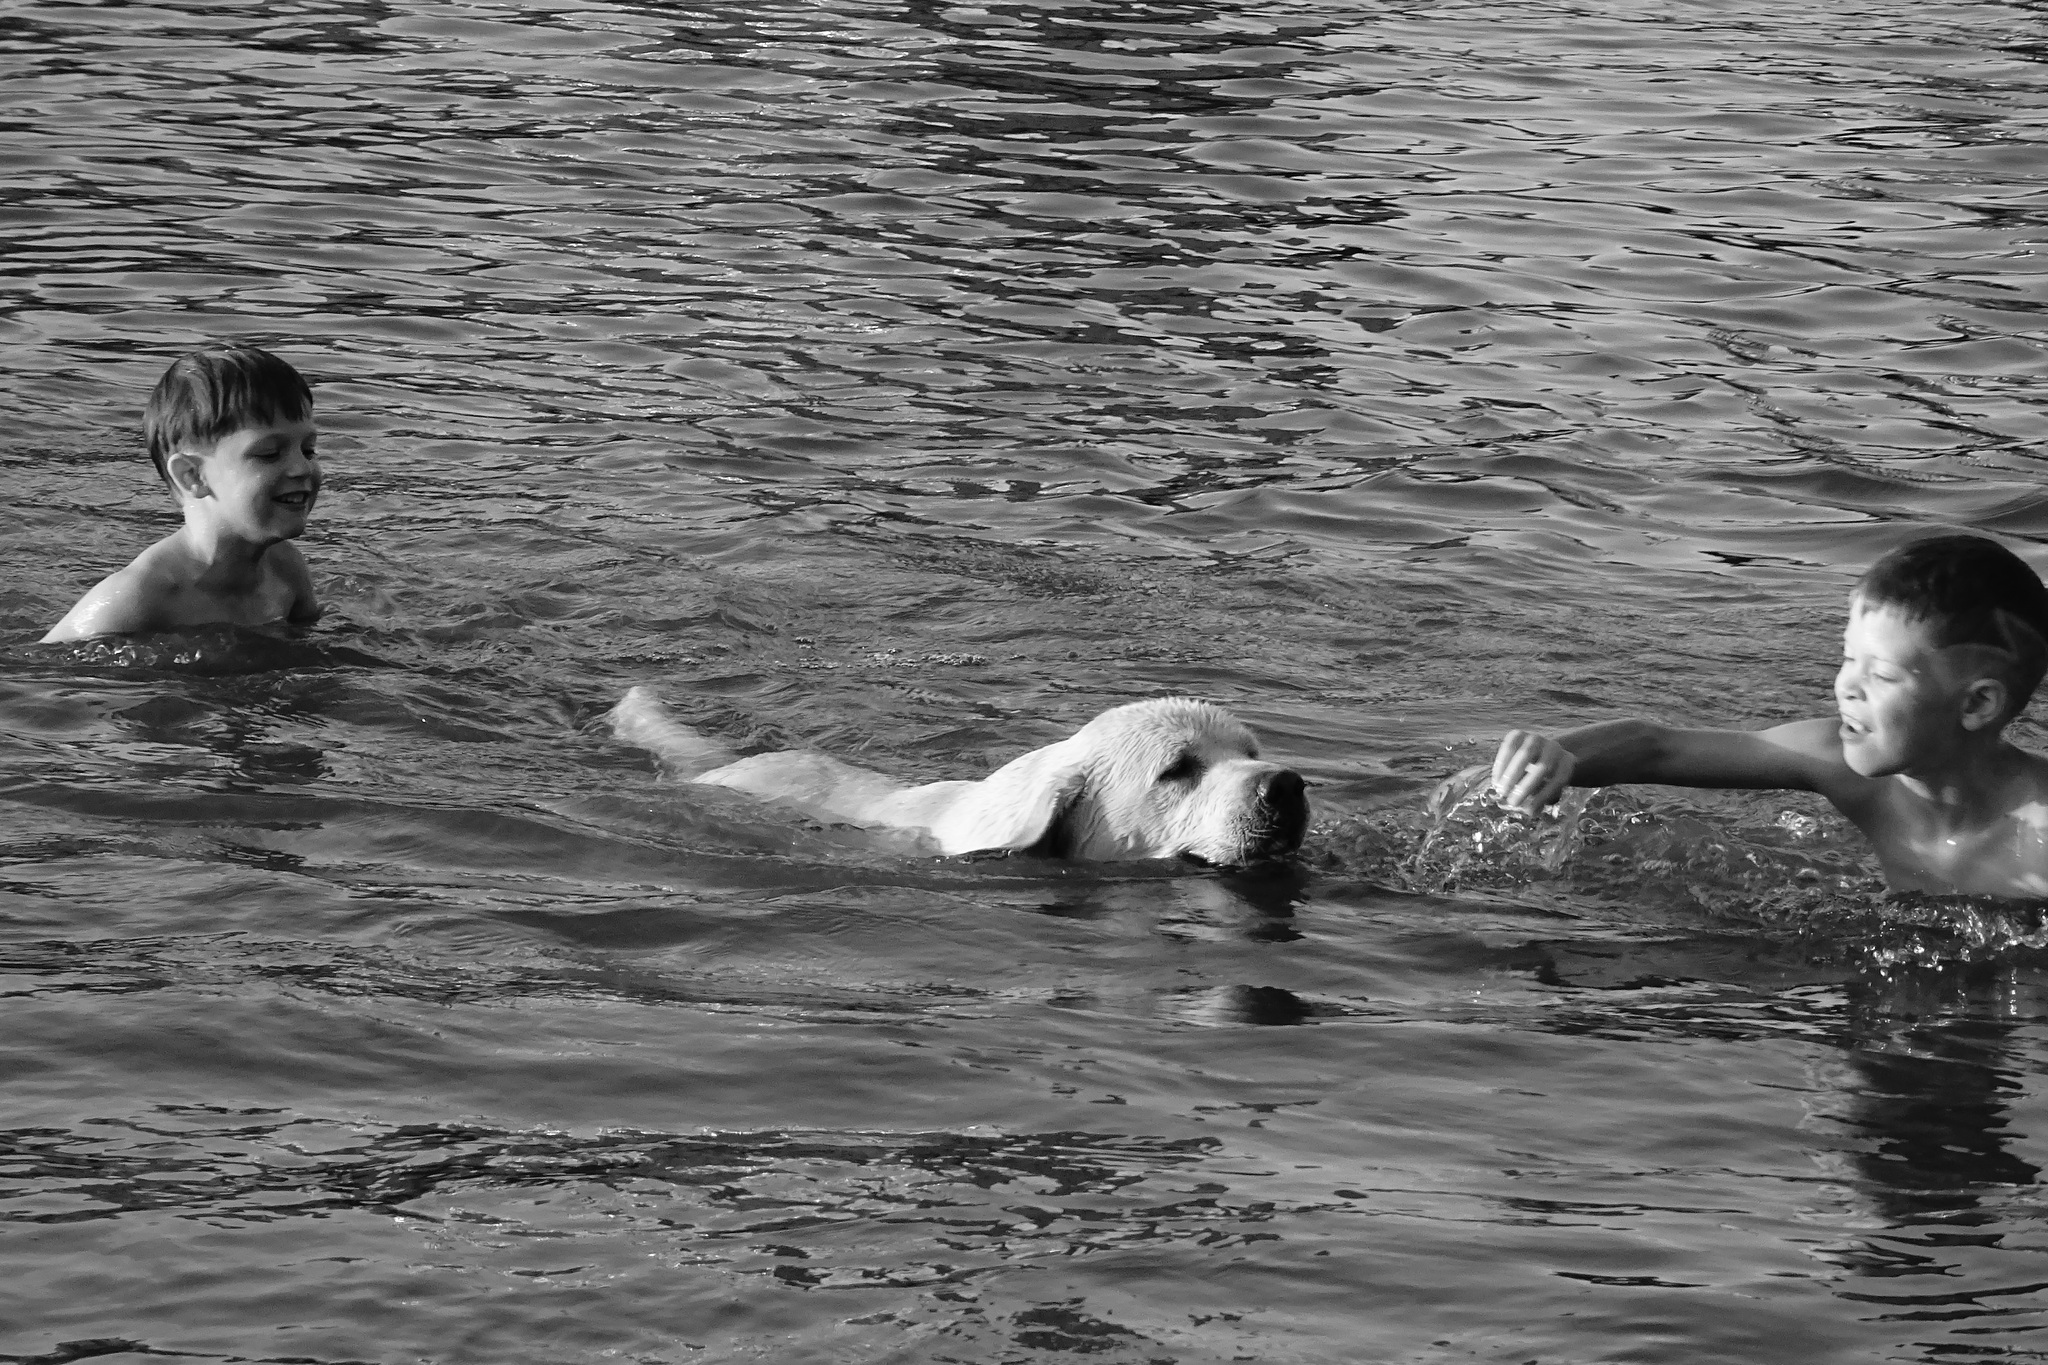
[1185, 768]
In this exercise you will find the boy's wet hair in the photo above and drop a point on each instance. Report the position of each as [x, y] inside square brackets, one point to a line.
[1973, 591]
[216, 390]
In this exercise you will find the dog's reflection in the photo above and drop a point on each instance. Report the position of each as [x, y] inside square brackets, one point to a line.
[1241, 1004]
[1254, 904]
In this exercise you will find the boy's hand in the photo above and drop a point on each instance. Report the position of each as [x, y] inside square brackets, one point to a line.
[1530, 771]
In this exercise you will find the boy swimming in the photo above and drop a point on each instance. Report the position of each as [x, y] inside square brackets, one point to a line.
[230, 430]
[1947, 639]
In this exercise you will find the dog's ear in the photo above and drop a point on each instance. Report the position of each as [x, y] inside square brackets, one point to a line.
[1022, 805]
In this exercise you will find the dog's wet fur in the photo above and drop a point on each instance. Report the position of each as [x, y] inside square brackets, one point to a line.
[1166, 778]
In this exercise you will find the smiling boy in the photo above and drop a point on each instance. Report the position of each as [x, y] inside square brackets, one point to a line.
[230, 430]
[1947, 639]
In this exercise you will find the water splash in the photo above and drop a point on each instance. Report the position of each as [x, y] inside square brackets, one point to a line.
[210, 651]
[1473, 840]
[1915, 929]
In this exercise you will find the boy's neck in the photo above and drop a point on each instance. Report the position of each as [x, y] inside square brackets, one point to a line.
[1970, 789]
[217, 552]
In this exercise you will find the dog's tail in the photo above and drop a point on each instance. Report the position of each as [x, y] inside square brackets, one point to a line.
[641, 719]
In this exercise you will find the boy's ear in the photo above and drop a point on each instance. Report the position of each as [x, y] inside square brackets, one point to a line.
[186, 470]
[1984, 702]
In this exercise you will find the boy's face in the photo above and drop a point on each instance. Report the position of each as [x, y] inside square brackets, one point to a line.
[1901, 695]
[257, 482]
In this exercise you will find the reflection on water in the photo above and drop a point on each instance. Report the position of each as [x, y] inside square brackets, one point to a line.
[913, 381]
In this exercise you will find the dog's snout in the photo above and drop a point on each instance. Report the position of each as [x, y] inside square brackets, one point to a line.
[1283, 802]
[1284, 792]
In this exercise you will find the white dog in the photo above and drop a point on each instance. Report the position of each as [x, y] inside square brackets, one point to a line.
[1170, 778]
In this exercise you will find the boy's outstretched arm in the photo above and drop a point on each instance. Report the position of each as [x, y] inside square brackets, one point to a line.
[1531, 770]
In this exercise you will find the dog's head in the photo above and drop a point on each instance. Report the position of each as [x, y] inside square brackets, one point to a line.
[1170, 778]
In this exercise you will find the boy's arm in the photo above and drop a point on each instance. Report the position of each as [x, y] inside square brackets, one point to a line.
[1530, 770]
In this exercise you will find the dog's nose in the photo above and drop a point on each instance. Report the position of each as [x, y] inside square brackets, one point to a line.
[1283, 801]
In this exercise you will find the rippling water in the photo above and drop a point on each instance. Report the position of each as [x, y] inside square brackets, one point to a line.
[911, 381]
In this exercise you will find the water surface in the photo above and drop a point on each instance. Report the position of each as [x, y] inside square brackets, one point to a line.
[912, 381]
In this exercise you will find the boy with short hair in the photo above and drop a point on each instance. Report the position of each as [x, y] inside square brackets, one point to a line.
[1947, 639]
[231, 432]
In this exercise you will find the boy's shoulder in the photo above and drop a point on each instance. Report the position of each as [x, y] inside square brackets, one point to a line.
[284, 558]
[2033, 783]
[290, 567]
[128, 600]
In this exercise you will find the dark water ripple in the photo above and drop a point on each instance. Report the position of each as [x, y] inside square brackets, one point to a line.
[913, 380]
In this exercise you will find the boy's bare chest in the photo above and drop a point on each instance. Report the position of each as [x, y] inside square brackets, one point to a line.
[266, 597]
[2006, 855]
